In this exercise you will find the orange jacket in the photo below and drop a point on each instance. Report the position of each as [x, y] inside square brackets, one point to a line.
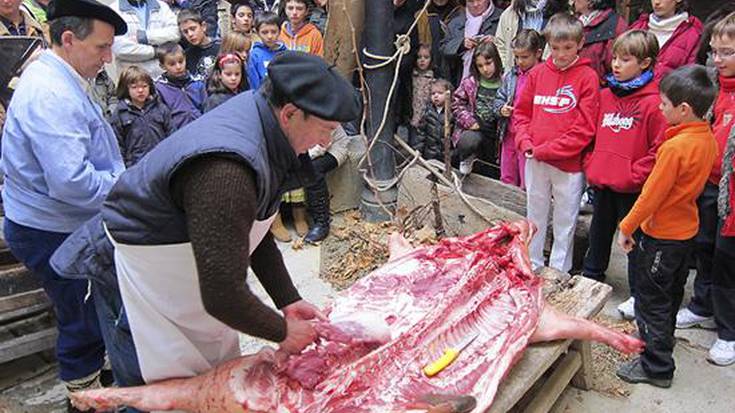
[307, 40]
[666, 208]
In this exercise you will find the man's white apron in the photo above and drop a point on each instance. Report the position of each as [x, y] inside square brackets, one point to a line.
[174, 335]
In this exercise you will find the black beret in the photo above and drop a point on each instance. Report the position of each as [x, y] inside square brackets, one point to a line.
[313, 86]
[86, 8]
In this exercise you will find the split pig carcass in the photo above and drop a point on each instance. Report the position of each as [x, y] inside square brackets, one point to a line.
[384, 330]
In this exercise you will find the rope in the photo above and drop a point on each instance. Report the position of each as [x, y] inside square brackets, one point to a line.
[403, 47]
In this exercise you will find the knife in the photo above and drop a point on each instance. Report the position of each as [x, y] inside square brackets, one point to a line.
[449, 355]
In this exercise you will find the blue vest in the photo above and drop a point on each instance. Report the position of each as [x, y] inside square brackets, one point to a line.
[140, 209]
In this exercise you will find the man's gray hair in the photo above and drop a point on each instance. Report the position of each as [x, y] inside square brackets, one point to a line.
[80, 26]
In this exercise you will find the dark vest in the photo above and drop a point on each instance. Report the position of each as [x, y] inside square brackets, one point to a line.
[140, 209]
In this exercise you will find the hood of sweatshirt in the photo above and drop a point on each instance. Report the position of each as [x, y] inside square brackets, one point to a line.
[306, 30]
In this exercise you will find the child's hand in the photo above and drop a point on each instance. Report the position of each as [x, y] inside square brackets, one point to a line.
[506, 111]
[469, 43]
[626, 242]
[529, 154]
[475, 126]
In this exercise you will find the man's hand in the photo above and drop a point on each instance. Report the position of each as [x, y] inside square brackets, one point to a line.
[626, 242]
[299, 334]
[506, 111]
[487, 39]
[302, 310]
[469, 43]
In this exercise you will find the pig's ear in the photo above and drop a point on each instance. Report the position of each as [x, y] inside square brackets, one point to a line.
[398, 246]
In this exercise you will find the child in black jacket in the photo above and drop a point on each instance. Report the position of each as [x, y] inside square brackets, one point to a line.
[227, 80]
[140, 120]
[429, 140]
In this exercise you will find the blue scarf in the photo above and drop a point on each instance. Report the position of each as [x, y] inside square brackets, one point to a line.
[629, 86]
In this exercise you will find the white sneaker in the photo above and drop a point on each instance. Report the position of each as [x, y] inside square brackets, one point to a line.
[465, 167]
[722, 353]
[685, 318]
[627, 309]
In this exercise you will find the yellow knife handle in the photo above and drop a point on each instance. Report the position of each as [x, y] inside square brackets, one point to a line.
[441, 363]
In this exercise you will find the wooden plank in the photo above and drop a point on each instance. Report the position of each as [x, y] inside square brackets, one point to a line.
[17, 279]
[583, 379]
[31, 310]
[590, 297]
[27, 325]
[20, 300]
[555, 384]
[27, 344]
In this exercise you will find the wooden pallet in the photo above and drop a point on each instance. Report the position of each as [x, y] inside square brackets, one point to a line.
[27, 324]
[546, 369]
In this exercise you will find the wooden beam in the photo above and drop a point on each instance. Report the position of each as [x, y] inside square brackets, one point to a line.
[17, 301]
[555, 384]
[584, 377]
[27, 344]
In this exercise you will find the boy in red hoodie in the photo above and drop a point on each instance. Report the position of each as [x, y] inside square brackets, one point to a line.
[556, 116]
[629, 129]
[713, 303]
[666, 213]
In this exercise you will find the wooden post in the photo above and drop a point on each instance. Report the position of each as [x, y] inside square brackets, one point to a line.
[344, 34]
[447, 132]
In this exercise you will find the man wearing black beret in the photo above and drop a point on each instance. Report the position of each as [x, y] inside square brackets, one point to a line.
[190, 219]
[60, 159]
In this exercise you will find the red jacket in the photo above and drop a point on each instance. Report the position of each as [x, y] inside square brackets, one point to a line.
[629, 130]
[680, 50]
[599, 37]
[557, 112]
[724, 115]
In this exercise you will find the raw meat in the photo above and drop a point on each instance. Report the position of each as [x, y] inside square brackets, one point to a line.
[384, 329]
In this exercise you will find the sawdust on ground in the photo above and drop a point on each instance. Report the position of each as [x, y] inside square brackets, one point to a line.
[355, 247]
[606, 360]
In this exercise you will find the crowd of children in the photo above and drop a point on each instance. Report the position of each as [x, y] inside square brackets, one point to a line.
[556, 98]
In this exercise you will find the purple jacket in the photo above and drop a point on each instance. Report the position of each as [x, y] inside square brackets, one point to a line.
[464, 104]
[185, 98]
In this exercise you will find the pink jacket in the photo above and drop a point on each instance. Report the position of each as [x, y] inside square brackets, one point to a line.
[680, 50]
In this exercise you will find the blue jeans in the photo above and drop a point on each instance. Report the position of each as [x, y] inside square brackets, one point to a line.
[80, 349]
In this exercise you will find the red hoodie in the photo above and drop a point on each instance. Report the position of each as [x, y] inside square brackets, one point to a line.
[629, 130]
[724, 115]
[557, 112]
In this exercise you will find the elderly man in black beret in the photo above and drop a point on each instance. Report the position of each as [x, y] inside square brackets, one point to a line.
[60, 159]
[190, 219]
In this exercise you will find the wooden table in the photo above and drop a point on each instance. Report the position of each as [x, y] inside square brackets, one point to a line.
[571, 359]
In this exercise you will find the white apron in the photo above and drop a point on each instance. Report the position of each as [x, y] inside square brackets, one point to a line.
[174, 335]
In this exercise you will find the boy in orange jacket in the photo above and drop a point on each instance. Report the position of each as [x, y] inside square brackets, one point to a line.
[666, 213]
[298, 34]
[556, 115]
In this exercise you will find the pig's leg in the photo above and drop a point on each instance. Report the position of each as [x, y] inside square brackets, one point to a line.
[555, 325]
[210, 392]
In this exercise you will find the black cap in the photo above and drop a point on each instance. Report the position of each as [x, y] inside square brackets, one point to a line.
[86, 8]
[310, 84]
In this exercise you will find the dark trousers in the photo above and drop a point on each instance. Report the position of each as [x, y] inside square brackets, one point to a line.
[79, 347]
[317, 193]
[609, 208]
[704, 251]
[661, 271]
[723, 287]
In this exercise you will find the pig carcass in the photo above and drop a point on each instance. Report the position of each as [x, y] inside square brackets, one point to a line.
[384, 329]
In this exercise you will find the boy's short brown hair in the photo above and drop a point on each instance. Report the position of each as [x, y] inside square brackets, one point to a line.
[564, 26]
[168, 49]
[640, 44]
[725, 27]
[130, 75]
[186, 15]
